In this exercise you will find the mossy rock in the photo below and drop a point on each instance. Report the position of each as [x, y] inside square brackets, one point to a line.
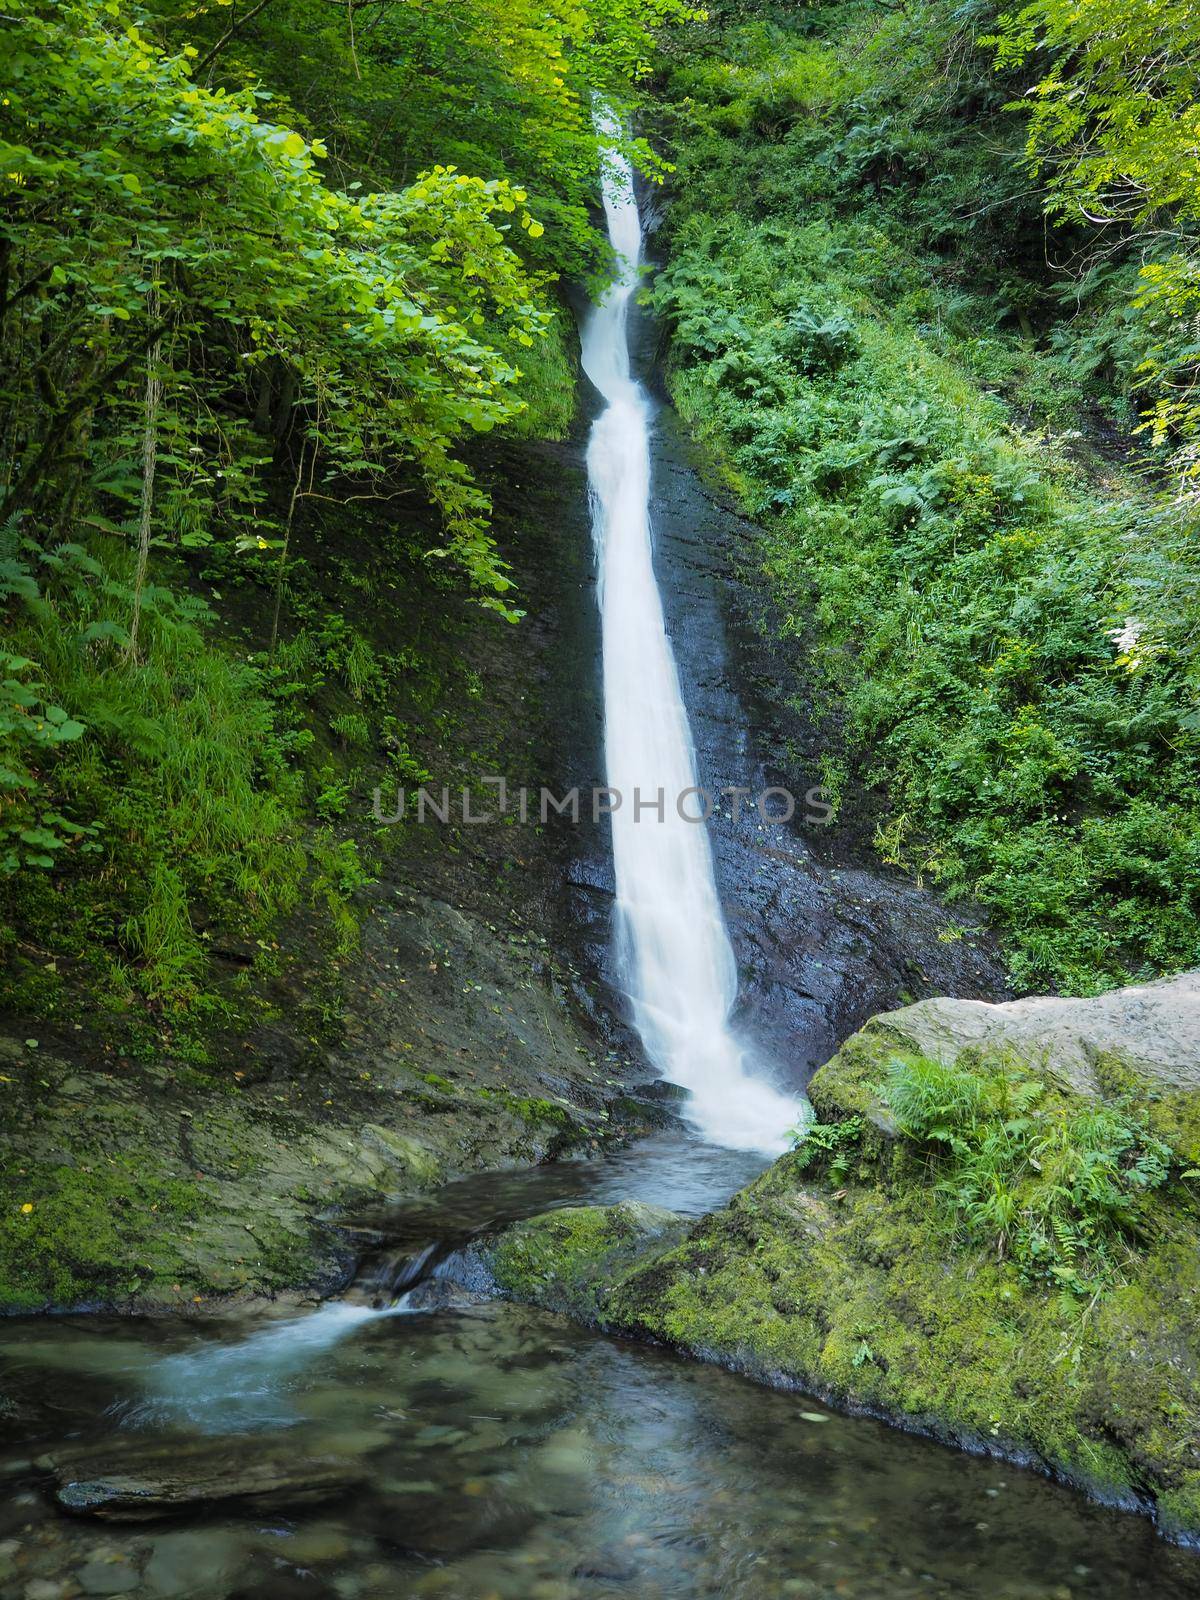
[573, 1260]
[848, 1085]
[842, 1271]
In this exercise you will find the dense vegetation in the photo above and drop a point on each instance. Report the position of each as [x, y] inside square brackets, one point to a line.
[263, 270]
[267, 270]
[932, 287]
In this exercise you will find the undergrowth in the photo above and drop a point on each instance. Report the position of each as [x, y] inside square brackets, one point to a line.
[919, 408]
[172, 814]
[1053, 1183]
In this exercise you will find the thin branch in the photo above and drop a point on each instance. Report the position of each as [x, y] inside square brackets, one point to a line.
[235, 27]
[353, 51]
[287, 534]
[149, 461]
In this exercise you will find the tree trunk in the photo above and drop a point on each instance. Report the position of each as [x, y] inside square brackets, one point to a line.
[149, 462]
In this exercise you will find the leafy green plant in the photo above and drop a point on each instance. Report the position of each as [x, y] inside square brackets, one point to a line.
[352, 727]
[828, 1144]
[1111, 131]
[31, 732]
[255, 272]
[1047, 1180]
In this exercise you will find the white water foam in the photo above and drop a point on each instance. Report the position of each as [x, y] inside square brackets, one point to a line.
[676, 960]
[224, 1388]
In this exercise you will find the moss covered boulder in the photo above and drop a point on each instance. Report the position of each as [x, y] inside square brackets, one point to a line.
[575, 1260]
[979, 1247]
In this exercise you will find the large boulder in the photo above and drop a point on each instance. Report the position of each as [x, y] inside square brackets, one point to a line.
[1153, 1027]
[853, 1268]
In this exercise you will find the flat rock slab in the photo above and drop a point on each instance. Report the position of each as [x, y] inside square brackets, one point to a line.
[137, 1482]
[1154, 1027]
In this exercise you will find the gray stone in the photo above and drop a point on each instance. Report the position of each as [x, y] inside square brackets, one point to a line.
[1153, 1027]
[136, 1483]
[108, 1575]
[199, 1565]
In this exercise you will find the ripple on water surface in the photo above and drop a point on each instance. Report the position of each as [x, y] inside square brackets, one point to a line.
[501, 1452]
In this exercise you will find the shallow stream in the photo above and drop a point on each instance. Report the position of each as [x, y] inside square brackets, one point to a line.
[503, 1452]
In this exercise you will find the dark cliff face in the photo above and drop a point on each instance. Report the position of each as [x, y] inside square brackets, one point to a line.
[823, 937]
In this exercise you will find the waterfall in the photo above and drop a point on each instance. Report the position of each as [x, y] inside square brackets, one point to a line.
[675, 958]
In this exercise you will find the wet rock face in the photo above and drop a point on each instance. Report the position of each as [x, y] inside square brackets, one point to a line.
[823, 936]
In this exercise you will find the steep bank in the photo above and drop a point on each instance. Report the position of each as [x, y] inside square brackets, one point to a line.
[973, 1242]
[429, 1018]
[926, 395]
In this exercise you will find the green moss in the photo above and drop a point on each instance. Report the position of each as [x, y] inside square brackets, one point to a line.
[573, 1260]
[549, 382]
[1179, 1508]
[846, 1273]
[98, 1234]
[848, 1084]
[856, 1299]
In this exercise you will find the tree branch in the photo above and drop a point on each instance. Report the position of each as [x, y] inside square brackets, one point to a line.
[235, 27]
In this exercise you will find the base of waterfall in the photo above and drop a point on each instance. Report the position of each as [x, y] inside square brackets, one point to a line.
[844, 1272]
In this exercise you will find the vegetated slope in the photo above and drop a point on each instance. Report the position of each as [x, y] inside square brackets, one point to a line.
[263, 277]
[927, 392]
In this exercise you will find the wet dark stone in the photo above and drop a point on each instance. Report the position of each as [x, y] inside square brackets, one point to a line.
[443, 1526]
[132, 1481]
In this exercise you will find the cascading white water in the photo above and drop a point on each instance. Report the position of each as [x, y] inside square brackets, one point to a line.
[676, 957]
[230, 1388]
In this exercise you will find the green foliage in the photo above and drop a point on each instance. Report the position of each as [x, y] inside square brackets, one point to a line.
[1113, 124]
[828, 1144]
[1051, 1182]
[1118, 100]
[884, 368]
[30, 730]
[254, 264]
[354, 315]
[502, 87]
[182, 784]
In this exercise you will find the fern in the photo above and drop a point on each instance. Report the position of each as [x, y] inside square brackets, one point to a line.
[1049, 1182]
